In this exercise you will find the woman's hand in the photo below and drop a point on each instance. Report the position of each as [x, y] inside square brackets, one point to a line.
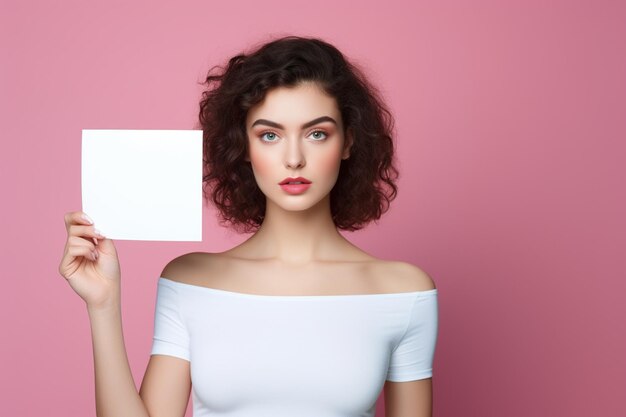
[90, 264]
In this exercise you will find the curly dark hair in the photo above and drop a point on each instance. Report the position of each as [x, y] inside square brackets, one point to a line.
[366, 182]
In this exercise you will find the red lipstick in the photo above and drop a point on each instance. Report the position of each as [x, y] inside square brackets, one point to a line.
[295, 185]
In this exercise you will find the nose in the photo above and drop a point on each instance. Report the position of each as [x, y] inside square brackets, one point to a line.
[294, 157]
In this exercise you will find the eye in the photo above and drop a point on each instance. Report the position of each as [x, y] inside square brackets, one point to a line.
[317, 134]
[271, 136]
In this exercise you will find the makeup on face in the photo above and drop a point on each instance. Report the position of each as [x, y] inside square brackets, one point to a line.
[295, 185]
[304, 126]
[321, 130]
[295, 145]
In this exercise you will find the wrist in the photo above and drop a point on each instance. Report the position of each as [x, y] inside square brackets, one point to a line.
[104, 309]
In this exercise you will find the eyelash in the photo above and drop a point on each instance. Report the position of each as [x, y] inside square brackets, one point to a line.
[271, 131]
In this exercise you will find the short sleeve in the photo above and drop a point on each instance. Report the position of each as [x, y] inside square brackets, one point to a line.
[412, 359]
[170, 333]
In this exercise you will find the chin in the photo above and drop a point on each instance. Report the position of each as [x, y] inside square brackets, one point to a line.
[297, 206]
[299, 203]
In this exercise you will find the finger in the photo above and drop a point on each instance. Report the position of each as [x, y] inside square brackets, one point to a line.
[85, 231]
[92, 255]
[84, 251]
[77, 241]
[77, 217]
[77, 251]
[76, 247]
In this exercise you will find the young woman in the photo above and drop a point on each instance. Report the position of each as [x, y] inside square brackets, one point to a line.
[295, 321]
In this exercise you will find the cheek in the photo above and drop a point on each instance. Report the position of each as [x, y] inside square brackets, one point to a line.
[261, 164]
[330, 162]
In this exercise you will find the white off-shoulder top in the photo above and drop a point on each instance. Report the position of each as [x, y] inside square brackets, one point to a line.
[255, 355]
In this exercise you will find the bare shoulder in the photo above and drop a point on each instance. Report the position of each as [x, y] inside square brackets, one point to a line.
[403, 276]
[190, 267]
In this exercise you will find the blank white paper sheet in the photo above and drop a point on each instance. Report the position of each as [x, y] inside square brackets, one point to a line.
[143, 184]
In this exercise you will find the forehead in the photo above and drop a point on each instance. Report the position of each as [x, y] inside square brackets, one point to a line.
[294, 105]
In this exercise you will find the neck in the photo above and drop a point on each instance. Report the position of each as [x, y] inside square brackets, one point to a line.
[297, 237]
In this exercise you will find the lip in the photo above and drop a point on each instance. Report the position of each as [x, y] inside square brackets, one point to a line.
[295, 188]
[299, 179]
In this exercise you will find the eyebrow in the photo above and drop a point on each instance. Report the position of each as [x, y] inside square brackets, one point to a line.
[304, 126]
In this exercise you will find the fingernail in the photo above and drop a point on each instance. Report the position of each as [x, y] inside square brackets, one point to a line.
[84, 216]
[98, 232]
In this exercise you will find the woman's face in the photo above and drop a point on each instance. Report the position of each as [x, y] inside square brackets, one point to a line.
[296, 132]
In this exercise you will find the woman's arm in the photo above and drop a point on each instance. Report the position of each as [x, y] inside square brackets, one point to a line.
[412, 398]
[91, 267]
[415, 353]
[116, 393]
[166, 384]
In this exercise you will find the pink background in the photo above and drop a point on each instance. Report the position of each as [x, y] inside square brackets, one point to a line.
[511, 131]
